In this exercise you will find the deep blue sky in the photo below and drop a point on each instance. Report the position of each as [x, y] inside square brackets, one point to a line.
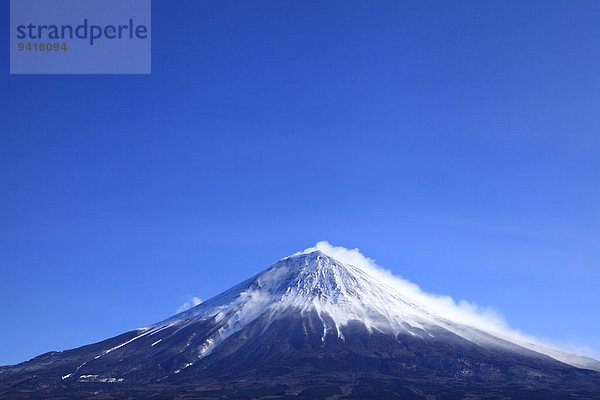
[457, 143]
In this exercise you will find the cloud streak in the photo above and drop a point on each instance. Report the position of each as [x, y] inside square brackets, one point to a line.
[463, 312]
[193, 301]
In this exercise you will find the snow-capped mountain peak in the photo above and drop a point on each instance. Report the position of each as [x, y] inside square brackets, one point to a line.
[340, 294]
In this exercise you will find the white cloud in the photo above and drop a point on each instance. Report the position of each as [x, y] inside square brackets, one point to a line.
[193, 301]
[464, 312]
[347, 256]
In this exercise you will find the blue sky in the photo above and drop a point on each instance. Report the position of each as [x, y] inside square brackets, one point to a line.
[457, 143]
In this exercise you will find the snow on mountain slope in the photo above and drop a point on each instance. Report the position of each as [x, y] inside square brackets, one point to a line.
[342, 286]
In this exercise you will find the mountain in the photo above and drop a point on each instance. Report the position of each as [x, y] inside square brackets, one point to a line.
[312, 326]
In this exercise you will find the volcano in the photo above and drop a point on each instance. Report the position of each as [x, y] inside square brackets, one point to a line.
[312, 326]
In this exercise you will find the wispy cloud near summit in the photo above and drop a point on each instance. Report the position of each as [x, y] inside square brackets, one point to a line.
[193, 301]
[484, 318]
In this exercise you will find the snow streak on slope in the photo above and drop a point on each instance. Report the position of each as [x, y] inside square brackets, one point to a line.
[342, 286]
